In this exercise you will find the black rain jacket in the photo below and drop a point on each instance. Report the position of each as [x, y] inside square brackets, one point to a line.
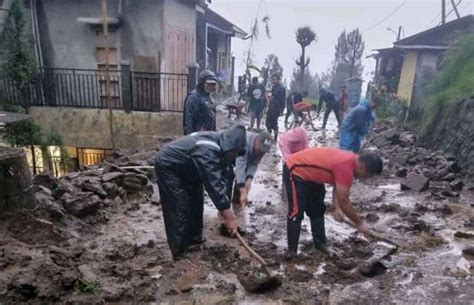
[199, 112]
[201, 158]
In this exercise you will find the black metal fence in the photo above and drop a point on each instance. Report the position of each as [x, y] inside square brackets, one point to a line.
[158, 91]
[86, 88]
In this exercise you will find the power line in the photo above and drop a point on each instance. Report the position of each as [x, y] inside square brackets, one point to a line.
[439, 14]
[388, 16]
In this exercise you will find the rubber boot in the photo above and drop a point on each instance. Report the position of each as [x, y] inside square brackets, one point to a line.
[293, 229]
[318, 231]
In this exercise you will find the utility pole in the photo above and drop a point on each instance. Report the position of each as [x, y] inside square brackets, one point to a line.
[399, 32]
[105, 27]
[443, 11]
[455, 9]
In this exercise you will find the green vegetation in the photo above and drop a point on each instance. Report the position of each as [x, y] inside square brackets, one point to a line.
[15, 47]
[455, 81]
[86, 286]
[390, 106]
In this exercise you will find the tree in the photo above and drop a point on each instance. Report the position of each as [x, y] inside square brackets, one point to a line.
[15, 47]
[270, 67]
[347, 58]
[304, 37]
[306, 83]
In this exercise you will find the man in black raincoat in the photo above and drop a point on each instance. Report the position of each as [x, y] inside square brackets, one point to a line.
[276, 105]
[199, 108]
[181, 168]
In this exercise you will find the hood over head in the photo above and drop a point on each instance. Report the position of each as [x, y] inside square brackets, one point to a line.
[233, 139]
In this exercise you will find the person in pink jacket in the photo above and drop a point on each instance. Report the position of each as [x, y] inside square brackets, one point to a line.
[293, 141]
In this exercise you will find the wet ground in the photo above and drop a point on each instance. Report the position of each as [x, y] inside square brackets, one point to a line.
[121, 255]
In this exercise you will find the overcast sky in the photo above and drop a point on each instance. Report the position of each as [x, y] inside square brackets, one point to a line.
[328, 18]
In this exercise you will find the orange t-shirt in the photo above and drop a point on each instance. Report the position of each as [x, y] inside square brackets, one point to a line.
[324, 165]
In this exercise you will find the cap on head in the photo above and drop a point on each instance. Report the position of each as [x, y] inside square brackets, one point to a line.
[372, 161]
[276, 75]
[207, 77]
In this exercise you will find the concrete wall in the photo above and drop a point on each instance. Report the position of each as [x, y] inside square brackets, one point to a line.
[426, 71]
[90, 127]
[142, 34]
[67, 43]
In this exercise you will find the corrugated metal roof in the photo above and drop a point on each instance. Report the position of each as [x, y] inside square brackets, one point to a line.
[460, 23]
[221, 23]
[12, 117]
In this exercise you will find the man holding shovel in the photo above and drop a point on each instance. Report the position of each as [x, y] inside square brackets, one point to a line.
[304, 176]
[181, 168]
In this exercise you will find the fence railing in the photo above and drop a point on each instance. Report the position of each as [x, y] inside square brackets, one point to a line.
[86, 88]
[159, 92]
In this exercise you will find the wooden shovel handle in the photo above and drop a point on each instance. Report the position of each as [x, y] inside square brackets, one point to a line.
[374, 234]
[255, 255]
[250, 250]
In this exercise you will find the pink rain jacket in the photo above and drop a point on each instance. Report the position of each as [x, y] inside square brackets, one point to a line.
[293, 141]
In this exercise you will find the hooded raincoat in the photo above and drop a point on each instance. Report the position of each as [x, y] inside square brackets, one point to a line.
[355, 127]
[182, 167]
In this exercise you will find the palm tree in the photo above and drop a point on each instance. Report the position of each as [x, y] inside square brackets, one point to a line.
[304, 37]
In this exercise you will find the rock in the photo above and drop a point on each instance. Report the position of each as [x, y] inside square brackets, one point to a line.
[110, 168]
[95, 187]
[442, 172]
[448, 193]
[82, 204]
[63, 187]
[456, 185]
[371, 217]
[401, 172]
[469, 223]
[55, 210]
[438, 186]
[112, 176]
[407, 139]
[46, 179]
[415, 182]
[399, 159]
[469, 186]
[111, 188]
[469, 252]
[71, 176]
[466, 235]
[134, 182]
[43, 190]
[449, 177]
[454, 167]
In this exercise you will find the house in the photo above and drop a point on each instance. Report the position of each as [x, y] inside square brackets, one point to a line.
[153, 47]
[215, 32]
[406, 68]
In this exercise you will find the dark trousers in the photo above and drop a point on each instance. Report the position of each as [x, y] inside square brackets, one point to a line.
[182, 205]
[304, 197]
[328, 112]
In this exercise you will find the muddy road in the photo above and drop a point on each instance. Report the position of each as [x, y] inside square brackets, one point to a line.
[118, 254]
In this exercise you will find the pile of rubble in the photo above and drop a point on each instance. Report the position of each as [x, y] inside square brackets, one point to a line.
[83, 194]
[420, 168]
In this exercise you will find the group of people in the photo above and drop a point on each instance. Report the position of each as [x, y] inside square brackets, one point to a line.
[225, 162]
[353, 123]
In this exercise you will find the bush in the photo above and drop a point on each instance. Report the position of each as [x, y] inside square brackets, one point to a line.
[455, 81]
[390, 106]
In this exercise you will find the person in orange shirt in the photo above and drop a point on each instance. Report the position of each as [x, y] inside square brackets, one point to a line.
[304, 176]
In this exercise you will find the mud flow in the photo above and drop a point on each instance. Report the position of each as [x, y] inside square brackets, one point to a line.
[98, 237]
